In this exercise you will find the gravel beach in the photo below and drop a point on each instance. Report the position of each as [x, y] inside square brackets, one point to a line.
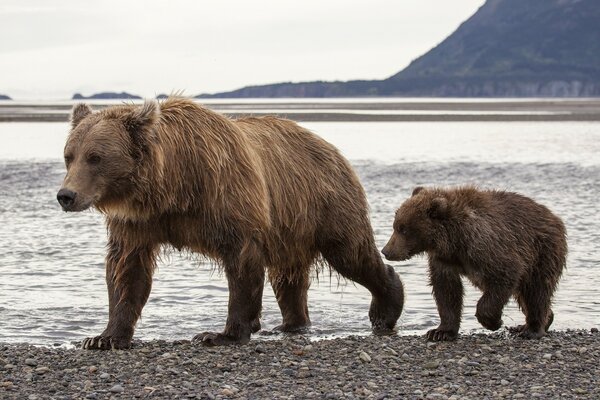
[561, 365]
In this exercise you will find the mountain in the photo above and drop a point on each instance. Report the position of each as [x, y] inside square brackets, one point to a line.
[508, 48]
[4, 97]
[107, 96]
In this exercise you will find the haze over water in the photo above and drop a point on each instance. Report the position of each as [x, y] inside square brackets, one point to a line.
[52, 263]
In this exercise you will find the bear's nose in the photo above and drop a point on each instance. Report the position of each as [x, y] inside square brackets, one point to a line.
[66, 198]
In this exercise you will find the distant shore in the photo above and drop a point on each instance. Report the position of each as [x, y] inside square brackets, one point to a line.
[562, 365]
[394, 110]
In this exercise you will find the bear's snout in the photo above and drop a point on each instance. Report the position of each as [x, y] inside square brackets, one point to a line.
[66, 198]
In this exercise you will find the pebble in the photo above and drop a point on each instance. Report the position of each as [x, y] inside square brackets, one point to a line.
[547, 356]
[364, 357]
[117, 389]
[504, 382]
[432, 364]
[32, 362]
[104, 375]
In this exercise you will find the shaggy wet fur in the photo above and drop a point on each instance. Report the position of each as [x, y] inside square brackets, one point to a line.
[504, 243]
[254, 194]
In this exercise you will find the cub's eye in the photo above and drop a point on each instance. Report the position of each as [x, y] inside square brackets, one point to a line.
[68, 159]
[93, 159]
[402, 230]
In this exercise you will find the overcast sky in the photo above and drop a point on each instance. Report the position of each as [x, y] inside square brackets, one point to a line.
[51, 49]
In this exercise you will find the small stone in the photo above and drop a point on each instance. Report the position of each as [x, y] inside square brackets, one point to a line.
[432, 364]
[92, 369]
[364, 357]
[117, 389]
[260, 349]
[41, 370]
[87, 385]
[308, 348]
[32, 362]
[594, 330]
[104, 375]
[227, 392]
[287, 371]
[547, 356]
[504, 382]
[580, 391]
[33, 397]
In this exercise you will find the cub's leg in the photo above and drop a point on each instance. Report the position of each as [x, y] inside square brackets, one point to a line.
[292, 297]
[129, 280]
[448, 292]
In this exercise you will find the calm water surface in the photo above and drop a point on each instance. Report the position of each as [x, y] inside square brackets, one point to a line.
[52, 287]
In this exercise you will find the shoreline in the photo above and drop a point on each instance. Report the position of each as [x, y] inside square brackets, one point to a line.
[435, 110]
[561, 365]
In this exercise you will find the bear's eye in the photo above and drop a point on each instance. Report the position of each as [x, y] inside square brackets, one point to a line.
[68, 159]
[93, 159]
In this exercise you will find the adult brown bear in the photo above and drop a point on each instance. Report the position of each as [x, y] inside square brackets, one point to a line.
[255, 194]
[506, 244]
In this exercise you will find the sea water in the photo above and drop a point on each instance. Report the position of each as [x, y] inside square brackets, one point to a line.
[52, 287]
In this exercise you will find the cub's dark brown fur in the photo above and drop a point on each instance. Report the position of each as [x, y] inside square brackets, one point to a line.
[257, 194]
[504, 243]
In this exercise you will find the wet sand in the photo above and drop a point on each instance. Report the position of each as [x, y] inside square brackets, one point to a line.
[563, 365]
[367, 111]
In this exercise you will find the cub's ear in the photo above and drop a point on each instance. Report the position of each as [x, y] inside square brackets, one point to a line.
[417, 190]
[438, 209]
[140, 121]
[78, 113]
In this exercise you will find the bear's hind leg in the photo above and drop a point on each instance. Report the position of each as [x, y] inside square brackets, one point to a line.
[292, 297]
[245, 279]
[363, 265]
[129, 280]
[538, 314]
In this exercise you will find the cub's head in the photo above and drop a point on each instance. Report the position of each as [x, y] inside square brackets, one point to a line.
[102, 153]
[417, 224]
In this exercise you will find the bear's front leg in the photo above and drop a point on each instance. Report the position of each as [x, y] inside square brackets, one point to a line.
[448, 292]
[245, 281]
[129, 280]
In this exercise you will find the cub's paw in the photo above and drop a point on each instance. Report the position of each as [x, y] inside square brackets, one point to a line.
[525, 332]
[218, 339]
[441, 335]
[493, 323]
[106, 343]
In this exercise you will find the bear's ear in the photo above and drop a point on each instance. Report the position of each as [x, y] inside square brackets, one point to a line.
[140, 121]
[438, 209]
[417, 190]
[78, 113]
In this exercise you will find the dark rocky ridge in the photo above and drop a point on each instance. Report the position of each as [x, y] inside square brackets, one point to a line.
[107, 96]
[4, 97]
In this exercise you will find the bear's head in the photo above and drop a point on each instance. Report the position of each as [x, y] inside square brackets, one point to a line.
[417, 224]
[103, 152]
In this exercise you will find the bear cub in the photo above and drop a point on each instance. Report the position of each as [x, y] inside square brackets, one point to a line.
[506, 244]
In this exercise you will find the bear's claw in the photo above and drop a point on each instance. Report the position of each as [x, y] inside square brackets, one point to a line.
[441, 335]
[105, 343]
[218, 339]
